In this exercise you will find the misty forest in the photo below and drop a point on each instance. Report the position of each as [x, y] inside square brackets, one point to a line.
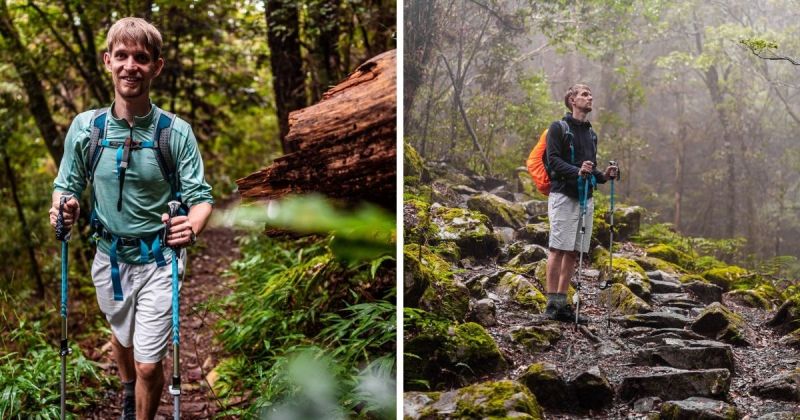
[266, 298]
[696, 101]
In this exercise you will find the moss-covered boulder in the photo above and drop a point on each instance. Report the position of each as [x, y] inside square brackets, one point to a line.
[416, 222]
[749, 298]
[430, 285]
[698, 408]
[470, 230]
[414, 170]
[518, 289]
[527, 255]
[439, 353]
[493, 400]
[720, 323]
[787, 317]
[627, 220]
[592, 389]
[536, 233]
[652, 264]
[628, 272]
[623, 301]
[548, 386]
[536, 338]
[726, 277]
[499, 210]
[670, 254]
[791, 339]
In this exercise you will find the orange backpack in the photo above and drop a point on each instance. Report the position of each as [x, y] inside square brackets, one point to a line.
[537, 160]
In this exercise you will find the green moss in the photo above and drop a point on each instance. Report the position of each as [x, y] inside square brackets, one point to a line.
[623, 300]
[471, 344]
[536, 338]
[441, 293]
[416, 221]
[496, 399]
[707, 262]
[732, 333]
[413, 166]
[725, 277]
[670, 254]
[531, 298]
[652, 264]
[688, 278]
[750, 298]
[499, 211]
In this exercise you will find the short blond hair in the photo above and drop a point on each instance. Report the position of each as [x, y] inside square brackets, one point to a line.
[135, 30]
[572, 91]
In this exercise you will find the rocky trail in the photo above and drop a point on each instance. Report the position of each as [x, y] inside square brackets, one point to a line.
[677, 345]
[213, 254]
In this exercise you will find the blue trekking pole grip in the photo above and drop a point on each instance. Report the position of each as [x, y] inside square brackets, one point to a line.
[175, 388]
[63, 235]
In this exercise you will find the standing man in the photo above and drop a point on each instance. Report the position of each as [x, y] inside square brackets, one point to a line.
[571, 157]
[137, 157]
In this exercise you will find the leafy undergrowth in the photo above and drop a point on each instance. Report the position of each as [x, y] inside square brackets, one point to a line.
[30, 369]
[310, 331]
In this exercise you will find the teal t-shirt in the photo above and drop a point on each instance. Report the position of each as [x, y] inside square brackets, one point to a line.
[145, 193]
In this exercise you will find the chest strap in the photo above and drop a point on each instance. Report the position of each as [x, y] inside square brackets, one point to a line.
[147, 246]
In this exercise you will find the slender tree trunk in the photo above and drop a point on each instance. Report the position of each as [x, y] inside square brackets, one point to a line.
[26, 232]
[427, 111]
[283, 37]
[460, 105]
[679, 161]
[327, 17]
[37, 102]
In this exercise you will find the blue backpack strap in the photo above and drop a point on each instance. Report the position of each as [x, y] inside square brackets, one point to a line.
[568, 135]
[99, 124]
[115, 281]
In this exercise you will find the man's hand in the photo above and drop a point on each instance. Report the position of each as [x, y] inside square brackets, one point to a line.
[72, 211]
[180, 232]
[611, 172]
[586, 168]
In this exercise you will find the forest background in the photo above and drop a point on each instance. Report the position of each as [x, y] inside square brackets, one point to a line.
[703, 128]
[234, 71]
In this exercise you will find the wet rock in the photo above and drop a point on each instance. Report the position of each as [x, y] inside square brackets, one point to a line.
[783, 387]
[416, 222]
[592, 389]
[536, 338]
[706, 292]
[664, 276]
[484, 313]
[499, 210]
[688, 354]
[698, 408]
[537, 233]
[496, 399]
[779, 415]
[791, 340]
[678, 300]
[720, 323]
[659, 286]
[420, 267]
[470, 230]
[657, 336]
[623, 301]
[505, 234]
[646, 404]
[652, 263]
[414, 170]
[505, 195]
[535, 207]
[550, 388]
[677, 384]
[529, 254]
[653, 320]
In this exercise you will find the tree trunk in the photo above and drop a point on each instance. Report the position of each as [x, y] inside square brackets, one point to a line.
[345, 145]
[283, 37]
[37, 102]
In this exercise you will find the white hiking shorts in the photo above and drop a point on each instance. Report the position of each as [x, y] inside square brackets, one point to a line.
[564, 213]
[144, 316]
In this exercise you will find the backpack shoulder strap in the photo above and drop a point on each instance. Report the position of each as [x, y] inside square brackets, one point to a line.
[164, 156]
[98, 124]
[566, 134]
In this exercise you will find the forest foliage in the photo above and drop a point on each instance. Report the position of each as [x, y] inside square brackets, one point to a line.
[694, 99]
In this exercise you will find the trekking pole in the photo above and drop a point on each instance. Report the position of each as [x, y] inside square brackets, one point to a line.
[610, 248]
[63, 235]
[175, 388]
[582, 223]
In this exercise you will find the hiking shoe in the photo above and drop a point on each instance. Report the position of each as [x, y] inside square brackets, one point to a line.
[567, 314]
[551, 311]
[128, 408]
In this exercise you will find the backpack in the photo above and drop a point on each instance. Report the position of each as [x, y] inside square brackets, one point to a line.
[537, 159]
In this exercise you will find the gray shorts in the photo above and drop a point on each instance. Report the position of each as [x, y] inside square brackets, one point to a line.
[564, 214]
[144, 316]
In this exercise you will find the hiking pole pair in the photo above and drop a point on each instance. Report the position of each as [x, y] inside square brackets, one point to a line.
[175, 388]
[63, 235]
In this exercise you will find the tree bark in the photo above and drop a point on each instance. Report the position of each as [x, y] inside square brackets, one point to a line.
[329, 71]
[283, 38]
[345, 145]
[37, 102]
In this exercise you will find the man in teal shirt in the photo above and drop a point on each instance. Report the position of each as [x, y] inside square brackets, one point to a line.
[130, 210]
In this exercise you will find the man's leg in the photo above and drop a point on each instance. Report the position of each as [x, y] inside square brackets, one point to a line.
[554, 300]
[567, 270]
[124, 357]
[149, 384]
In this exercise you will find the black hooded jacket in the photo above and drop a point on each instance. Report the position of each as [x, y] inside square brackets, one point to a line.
[563, 172]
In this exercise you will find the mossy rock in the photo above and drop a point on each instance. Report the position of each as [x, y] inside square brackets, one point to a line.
[442, 294]
[720, 323]
[526, 186]
[628, 272]
[627, 220]
[600, 256]
[726, 277]
[528, 254]
[548, 386]
[516, 288]
[448, 251]
[500, 211]
[414, 170]
[707, 262]
[440, 353]
[536, 233]
[688, 278]
[670, 254]
[749, 298]
[653, 264]
[470, 230]
[499, 399]
[698, 408]
[536, 338]
[416, 222]
[623, 301]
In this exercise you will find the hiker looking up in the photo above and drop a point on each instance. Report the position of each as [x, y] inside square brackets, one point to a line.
[567, 167]
[137, 158]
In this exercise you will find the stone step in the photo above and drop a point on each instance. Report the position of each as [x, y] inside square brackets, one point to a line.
[676, 384]
[660, 287]
[663, 276]
[657, 336]
[698, 408]
[688, 354]
[653, 320]
[681, 300]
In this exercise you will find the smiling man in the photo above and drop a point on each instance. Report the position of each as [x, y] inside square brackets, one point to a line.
[571, 156]
[137, 158]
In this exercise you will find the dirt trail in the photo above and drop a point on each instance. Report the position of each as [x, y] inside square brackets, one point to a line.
[208, 260]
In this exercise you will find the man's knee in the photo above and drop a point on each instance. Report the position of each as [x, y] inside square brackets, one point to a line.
[149, 371]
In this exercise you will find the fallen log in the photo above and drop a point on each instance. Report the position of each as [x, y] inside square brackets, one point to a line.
[345, 145]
